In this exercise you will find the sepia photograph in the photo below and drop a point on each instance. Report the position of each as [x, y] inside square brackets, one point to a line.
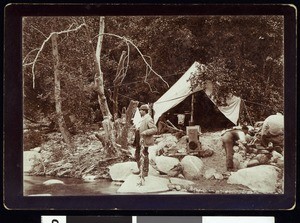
[143, 105]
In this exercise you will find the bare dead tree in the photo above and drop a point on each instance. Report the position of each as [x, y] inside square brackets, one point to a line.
[114, 134]
[57, 94]
[57, 86]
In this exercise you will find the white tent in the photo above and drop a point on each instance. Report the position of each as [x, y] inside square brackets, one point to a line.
[182, 89]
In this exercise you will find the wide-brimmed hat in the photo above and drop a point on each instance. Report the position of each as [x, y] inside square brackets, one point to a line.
[144, 107]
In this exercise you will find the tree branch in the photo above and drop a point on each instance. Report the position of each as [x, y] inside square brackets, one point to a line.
[99, 43]
[28, 55]
[138, 50]
[43, 44]
[38, 31]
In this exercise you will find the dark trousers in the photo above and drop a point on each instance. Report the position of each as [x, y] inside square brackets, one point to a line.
[138, 154]
[229, 154]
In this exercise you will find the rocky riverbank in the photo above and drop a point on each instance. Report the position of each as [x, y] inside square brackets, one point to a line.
[173, 169]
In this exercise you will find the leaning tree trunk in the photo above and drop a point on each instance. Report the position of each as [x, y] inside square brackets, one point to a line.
[57, 94]
[109, 139]
[98, 79]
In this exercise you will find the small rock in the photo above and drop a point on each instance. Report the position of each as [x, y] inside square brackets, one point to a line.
[190, 189]
[52, 182]
[276, 156]
[253, 162]
[37, 149]
[244, 164]
[175, 171]
[218, 176]
[236, 149]
[206, 153]
[180, 176]
[178, 187]
[238, 156]
[89, 178]
[118, 183]
[171, 186]
[263, 151]
[182, 182]
[280, 162]
[209, 173]
[262, 158]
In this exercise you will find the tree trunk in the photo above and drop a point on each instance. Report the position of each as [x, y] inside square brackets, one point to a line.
[57, 94]
[128, 115]
[98, 79]
[118, 81]
[108, 139]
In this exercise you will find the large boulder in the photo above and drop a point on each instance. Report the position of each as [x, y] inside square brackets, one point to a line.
[165, 163]
[30, 160]
[261, 178]
[120, 171]
[192, 167]
[152, 184]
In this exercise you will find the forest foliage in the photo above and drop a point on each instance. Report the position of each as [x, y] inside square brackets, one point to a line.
[243, 56]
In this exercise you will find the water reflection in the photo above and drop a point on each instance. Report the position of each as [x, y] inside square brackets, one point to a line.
[33, 185]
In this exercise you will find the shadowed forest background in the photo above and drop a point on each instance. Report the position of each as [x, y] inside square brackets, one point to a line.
[244, 54]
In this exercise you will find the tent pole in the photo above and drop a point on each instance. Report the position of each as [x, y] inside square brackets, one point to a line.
[247, 113]
[192, 110]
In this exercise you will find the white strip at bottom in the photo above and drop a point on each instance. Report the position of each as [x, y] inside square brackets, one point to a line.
[238, 219]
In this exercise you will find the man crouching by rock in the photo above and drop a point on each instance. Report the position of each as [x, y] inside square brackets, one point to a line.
[230, 139]
[143, 139]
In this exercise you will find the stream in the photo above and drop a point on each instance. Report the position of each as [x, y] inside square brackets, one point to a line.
[33, 186]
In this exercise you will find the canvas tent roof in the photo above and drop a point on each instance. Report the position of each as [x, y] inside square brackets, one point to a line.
[182, 89]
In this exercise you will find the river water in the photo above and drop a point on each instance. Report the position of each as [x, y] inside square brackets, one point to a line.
[33, 185]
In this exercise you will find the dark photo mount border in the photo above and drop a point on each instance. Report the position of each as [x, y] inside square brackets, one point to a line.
[13, 110]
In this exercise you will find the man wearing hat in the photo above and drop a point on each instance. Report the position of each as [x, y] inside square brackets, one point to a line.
[146, 130]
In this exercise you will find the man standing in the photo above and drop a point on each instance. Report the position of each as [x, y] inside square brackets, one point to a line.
[144, 139]
[230, 139]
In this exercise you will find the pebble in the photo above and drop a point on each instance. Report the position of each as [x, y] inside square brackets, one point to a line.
[178, 187]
